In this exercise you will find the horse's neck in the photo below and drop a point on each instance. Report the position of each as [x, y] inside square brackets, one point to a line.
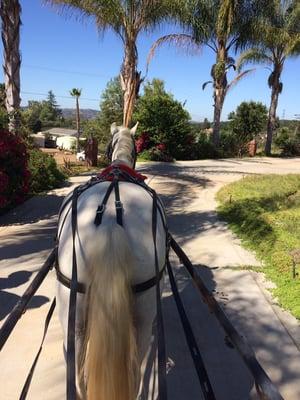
[118, 161]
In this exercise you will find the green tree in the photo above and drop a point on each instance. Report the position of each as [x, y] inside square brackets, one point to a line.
[223, 26]
[50, 112]
[248, 121]
[77, 93]
[278, 39]
[111, 108]
[3, 113]
[206, 124]
[127, 19]
[10, 11]
[31, 116]
[164, 119]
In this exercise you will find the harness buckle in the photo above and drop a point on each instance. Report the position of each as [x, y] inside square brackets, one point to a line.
[100, 209]
[118, 204]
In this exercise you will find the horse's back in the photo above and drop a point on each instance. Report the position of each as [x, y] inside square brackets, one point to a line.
[137, 218]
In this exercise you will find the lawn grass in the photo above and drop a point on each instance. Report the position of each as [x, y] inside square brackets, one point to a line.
[264, 211]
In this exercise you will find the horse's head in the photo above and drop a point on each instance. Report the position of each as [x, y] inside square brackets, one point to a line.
[122, 145]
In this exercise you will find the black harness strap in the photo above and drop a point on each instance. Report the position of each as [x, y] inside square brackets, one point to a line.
[71, 362]
[118, 203]
[21, 305]
[30, 374]
[101, 208]
[206, 387]
[138, 288]
[266, 388]
[161, 349]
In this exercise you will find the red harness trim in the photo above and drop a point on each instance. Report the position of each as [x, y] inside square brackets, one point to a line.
[108, 173]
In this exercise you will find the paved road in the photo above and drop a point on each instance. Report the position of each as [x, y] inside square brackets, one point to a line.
[188, 190]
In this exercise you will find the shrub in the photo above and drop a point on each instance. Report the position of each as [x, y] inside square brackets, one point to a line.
[287, 142]
[157, 153]
[230, 145]
[165, 120]
[44, 172]
[204, 148]
[142, 142]
[14, 173]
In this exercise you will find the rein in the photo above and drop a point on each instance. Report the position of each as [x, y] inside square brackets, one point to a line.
[265, 388]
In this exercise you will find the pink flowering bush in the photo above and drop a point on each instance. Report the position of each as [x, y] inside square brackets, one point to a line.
[142, 142]
[14, 172]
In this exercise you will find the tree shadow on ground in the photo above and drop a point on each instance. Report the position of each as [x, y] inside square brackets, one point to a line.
[227, 371]
[23, 242]
[33, 210]
[190, 173]
[8, 300]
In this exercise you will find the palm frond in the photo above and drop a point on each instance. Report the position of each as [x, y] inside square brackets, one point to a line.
[233, 66]
[254, 56]
[205, 84]
[240, 76]
[68, 8]
[181, 40]
[293, 47]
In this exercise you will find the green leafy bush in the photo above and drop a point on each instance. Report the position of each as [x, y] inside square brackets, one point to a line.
[204, 148]
[155, 154]
[229, 144]
[165, 120]
[246, 123]
[288, 142]
[44, 172]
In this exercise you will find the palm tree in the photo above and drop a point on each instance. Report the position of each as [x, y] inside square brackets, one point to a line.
[10, 11]
[77, 93]
[279, 39]
[222, 25]
[127, 18]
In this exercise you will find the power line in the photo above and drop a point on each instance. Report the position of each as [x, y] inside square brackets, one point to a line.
[64, 71]
[60, 96]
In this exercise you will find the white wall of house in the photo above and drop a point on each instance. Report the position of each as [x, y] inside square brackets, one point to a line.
[39, 139]
[66, 142]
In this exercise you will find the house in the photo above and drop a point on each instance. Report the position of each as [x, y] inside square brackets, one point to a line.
[38, 139]
[64, 138]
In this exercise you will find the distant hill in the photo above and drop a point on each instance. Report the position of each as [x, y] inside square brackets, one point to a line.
[85, 113]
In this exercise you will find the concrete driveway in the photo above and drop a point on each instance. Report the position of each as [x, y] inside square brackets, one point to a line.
[187, 189]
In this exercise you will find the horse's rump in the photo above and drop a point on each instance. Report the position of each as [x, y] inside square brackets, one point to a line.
[98, 252]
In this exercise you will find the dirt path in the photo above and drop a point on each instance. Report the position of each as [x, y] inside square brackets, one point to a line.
[188, 191]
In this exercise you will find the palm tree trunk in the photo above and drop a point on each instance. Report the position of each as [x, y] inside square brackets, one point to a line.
[220, 86]
[130, 81]
[271, 127]
[77, 122]
[219, 97]
[10, 14]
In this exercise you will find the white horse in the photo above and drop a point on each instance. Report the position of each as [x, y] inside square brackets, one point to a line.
[113, 328]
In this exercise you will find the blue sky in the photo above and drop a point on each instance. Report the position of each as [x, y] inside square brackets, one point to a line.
[60, 53]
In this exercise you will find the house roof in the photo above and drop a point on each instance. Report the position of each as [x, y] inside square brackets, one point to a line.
[61, 132]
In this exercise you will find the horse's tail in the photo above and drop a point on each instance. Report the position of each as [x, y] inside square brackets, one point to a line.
[109, 362]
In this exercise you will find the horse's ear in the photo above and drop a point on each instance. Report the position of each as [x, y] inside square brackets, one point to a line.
[133, 130]
[113, 128]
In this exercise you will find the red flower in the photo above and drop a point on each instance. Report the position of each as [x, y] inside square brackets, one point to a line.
[161, 146]
[14, 173]
[142, 143]
[3, 201]
[4, 181]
